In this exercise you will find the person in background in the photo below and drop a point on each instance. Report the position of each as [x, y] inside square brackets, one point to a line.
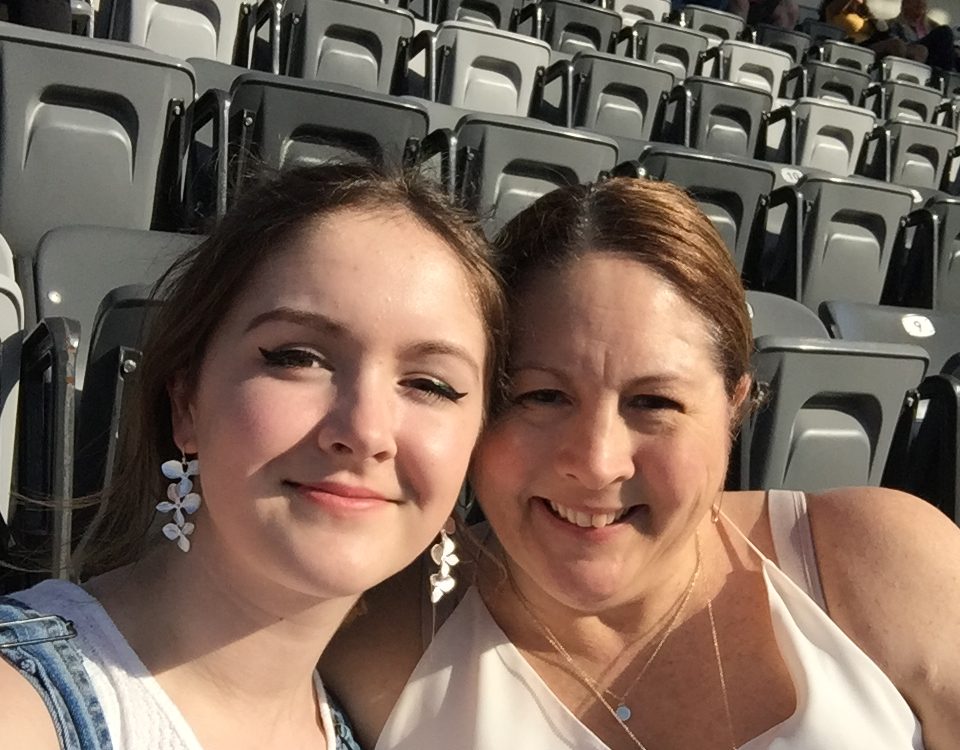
[856, 19]
[914, 26]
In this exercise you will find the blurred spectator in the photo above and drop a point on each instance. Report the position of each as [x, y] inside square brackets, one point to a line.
[913, 25]
[782, 13]
[54, 15]
[863, 28]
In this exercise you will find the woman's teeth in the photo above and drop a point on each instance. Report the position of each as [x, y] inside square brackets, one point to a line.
[586, 520]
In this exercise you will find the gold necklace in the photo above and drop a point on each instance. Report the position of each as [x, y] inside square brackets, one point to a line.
[594, 687]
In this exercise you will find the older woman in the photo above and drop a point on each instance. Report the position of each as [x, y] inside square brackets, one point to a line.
[621, 598]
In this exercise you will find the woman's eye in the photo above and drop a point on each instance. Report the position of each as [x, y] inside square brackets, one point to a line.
[656, 403]
[292, 358]
[434, 388]
[544, 396]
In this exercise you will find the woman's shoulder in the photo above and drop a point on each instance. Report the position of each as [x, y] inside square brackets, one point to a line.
[890, 569]
[24, 716]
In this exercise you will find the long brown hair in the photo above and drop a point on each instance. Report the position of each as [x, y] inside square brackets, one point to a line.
[200, 288]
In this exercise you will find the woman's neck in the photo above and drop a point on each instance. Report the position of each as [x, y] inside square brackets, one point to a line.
[219, 643]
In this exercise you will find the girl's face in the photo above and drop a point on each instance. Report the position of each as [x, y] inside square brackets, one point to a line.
[615, 440]
[336, 407]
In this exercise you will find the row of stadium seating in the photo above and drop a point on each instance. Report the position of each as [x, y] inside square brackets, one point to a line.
[138, 148]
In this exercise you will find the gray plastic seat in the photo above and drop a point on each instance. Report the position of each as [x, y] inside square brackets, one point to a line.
[751, 65]
[101, 142]
[504, 164]
[794, 43]
[487, 70]
[670, 47]
[611, 95]
[841, 245]
[926, 272]
[775, 315]
[845, 54]
[905, 101]
[716, 116]
[818, 30]
[729, 191]
[570, 26]
[497, 14]
[937, 332]
[347, 42]
[831, 414]
[830, 135]
[832, 82]
[180, 28]
[283, 121]
[717, 23]
[77, 266]
[632, 11]
[919, 152]
[893, 68]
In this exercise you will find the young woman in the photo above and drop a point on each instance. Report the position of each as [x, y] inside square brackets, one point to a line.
[622, 599]
[312, 392]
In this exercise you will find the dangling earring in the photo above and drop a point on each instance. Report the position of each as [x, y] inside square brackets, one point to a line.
[180, 499]
[443, 554]
[715, 509]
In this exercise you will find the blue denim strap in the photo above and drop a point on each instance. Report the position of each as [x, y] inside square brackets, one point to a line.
[40, 648]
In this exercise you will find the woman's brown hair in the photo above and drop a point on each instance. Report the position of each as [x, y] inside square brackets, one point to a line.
[201, 287]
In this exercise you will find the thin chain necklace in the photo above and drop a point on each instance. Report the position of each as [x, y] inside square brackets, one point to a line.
[621, 713]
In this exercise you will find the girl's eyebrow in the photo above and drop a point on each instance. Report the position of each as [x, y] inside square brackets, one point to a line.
[298, 317]
[328, 325]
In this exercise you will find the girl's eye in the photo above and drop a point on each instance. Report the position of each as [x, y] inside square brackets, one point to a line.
[544, 396]
[434, 389]
[292, 358]
[656, 403]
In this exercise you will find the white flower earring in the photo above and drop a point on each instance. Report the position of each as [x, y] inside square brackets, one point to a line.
[443, 554]
[181, 499]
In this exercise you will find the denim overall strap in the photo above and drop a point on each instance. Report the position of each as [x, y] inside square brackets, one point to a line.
[39, 647]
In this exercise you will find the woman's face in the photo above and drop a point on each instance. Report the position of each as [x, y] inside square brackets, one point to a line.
[615, 441]
[336, 407]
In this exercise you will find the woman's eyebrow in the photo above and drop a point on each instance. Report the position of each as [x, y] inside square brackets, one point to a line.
[298, 317]
[443, 348]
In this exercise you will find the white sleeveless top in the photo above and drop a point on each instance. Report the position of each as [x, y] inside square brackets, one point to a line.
[473, 690]
[139, 714]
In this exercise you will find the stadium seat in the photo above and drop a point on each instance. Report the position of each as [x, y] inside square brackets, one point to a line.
[919, 153]
[608, 94]
[486, 70]
[891, 68]
[668, 46]
[92, 134]
[716, 116]
[717, 23]
[831, 82]
[776, 315]
[729, 191]
[278, 121]
[818, 30]
[831, 413]
[908, 101]
[496, 14]
[830, 135]
[925, 456]
[925, 272]
[181, 28]
[750, 65]
[836, 242]
[505, 163]
[348, 42]
[77, 266]
[937, 332]
[570, 26]
[843, 53]
[794, 43]
[632, 11]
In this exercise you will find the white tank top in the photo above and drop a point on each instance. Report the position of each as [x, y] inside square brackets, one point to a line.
[139, 714]
[473, 690]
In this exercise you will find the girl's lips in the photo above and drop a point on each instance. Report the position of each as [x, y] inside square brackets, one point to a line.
[340, 497]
